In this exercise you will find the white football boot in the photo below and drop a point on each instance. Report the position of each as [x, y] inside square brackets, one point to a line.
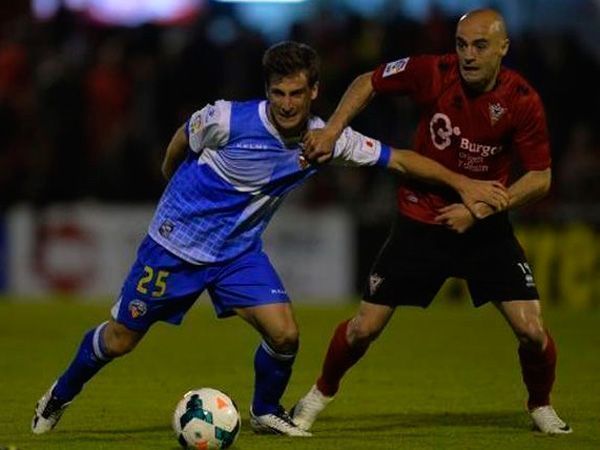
[305, 412]
[276, 423]
[48, 412]
[547, 421]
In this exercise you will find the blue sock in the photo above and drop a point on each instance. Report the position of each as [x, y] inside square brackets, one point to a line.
[272, 372]
[90, 358]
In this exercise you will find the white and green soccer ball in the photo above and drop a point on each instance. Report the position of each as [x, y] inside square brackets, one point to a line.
[206, 419]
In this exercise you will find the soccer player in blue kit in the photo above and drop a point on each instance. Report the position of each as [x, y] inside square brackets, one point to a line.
[229, 167]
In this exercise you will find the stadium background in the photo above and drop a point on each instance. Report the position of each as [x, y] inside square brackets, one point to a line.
[91, 92]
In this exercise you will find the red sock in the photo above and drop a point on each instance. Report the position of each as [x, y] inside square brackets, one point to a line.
[538, 369]
[340, 357]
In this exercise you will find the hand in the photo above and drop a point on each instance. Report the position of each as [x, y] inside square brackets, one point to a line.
[491, 192]
[319, 144]
[456, 217]
[481, 210]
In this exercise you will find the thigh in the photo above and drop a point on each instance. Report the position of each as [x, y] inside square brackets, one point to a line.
[497, 270]
[412, 265]
[248, 281]
[160, 286]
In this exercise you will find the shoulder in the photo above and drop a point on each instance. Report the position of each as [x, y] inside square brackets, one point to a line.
[516, 88]
[254, 103]
[315, 122]
[447, 63]
[213, 112]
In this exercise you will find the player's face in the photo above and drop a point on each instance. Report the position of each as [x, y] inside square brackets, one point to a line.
[290, 98]
[480, 46]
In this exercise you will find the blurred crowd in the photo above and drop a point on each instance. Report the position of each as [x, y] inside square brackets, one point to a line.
[86, 111]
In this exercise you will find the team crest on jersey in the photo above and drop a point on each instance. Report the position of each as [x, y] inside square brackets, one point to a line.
[137, 308]
[496, 111]
[374, 282]
[395, 67]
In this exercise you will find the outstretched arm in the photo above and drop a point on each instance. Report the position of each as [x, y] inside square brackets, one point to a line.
[175, 154]
[471, 191]
[318, 144]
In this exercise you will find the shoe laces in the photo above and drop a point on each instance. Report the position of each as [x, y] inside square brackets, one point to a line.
[54, 408]
[282, 416]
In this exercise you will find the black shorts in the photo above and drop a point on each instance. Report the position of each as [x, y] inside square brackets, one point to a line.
[418, 257]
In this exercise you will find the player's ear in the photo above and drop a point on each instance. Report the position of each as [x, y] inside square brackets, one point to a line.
[504, 47]
[314, 91]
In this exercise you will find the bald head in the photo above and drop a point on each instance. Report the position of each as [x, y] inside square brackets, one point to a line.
[481, 43]
[487, 19]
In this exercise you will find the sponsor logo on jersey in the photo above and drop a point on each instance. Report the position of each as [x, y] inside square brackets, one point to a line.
[137, 308]
[480, 149]
[374, 282]
[441, 130]
[496, 111]
[395, 67]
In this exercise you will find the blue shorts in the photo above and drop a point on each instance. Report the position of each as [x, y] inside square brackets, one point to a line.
[162, 286]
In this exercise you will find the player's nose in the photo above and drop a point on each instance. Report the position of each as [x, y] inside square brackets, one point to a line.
[287, 105]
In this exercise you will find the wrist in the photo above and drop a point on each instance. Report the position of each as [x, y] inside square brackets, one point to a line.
[334, 129]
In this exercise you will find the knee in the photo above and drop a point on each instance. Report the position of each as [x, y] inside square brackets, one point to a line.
[285, 340]
[119, 340]
[531, 333]
[362, 332]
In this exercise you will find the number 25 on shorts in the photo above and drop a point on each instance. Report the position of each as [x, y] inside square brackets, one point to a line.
[160, 283]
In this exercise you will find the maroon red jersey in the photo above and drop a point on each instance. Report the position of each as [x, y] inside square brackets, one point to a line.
[477, 135]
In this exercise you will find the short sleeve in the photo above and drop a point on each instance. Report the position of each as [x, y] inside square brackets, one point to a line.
[209, 127]
[531, 135]
[353, 148]
[419, 77]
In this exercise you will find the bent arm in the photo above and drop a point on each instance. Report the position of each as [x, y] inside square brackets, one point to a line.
[318, 144]
[357, 96]
[175, 154]
[531, 187]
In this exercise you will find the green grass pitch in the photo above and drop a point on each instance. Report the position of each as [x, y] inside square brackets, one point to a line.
[445, 378]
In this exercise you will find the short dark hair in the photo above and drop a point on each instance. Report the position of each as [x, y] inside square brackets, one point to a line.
[289, 57]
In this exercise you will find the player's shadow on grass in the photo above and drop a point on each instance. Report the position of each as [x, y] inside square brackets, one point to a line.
[358, 423]
[117, 433]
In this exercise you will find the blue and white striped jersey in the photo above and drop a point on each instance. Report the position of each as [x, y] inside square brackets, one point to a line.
[221, 198]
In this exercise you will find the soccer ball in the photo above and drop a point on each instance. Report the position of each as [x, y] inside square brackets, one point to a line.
[205, 419]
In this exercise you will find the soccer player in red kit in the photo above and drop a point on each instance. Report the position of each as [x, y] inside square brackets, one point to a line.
[476, 118]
